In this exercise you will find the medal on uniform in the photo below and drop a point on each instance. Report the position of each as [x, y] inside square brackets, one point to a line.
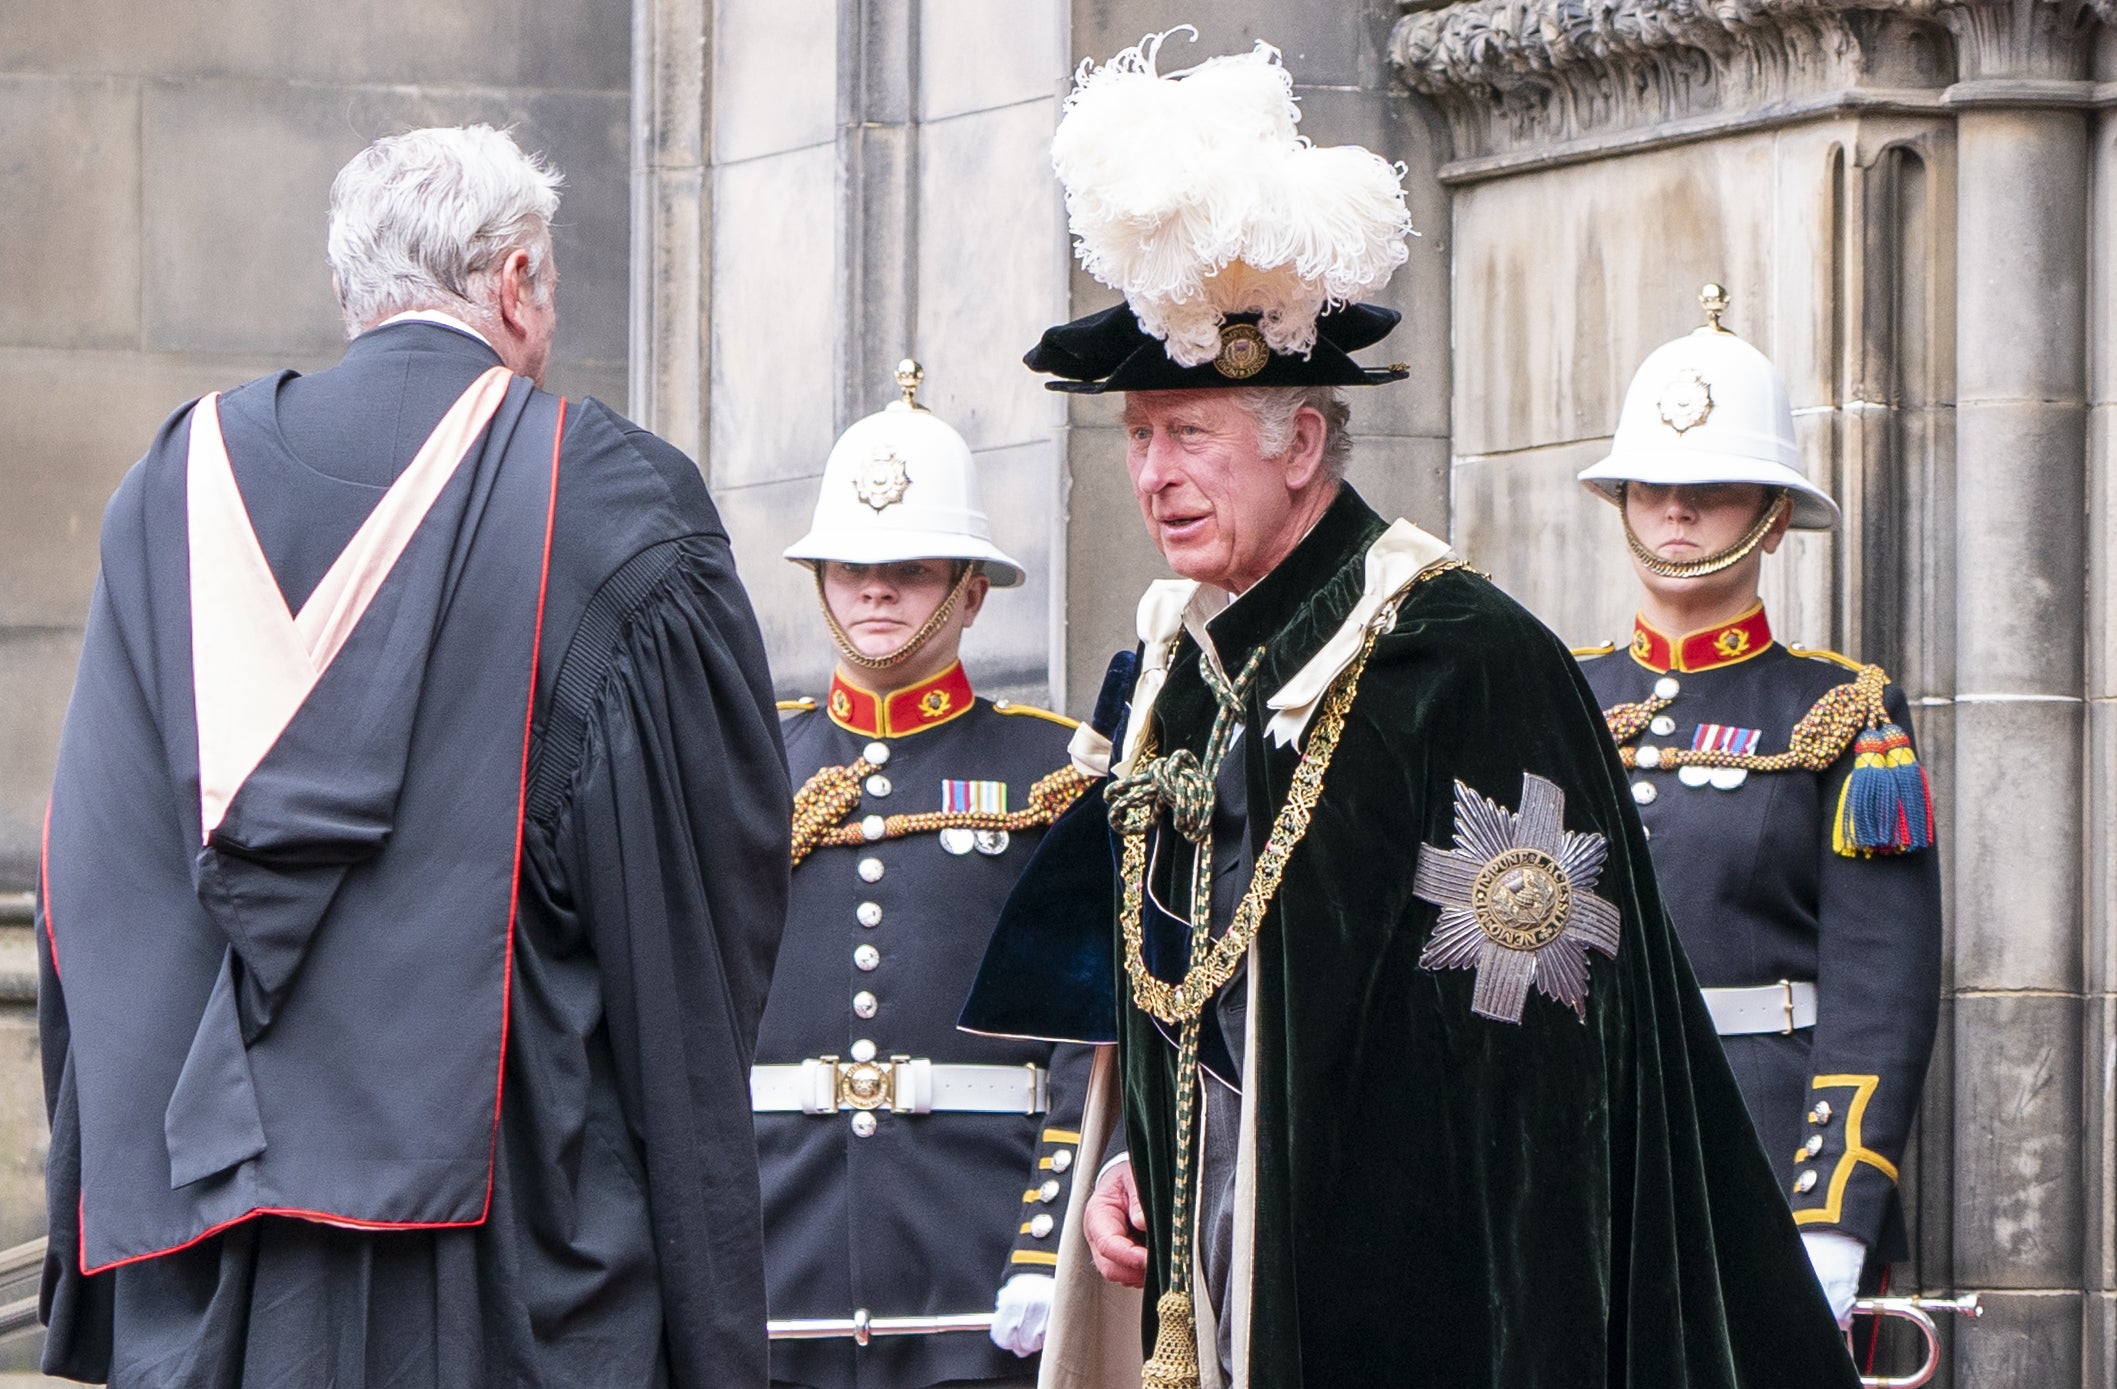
[972, 799]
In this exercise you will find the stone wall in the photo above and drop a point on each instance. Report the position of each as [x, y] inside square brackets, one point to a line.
[828, 188]
[167, 167]
[1899, 196]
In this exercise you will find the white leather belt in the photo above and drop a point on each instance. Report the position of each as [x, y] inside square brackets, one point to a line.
[1786, 1006]
[902, 1084]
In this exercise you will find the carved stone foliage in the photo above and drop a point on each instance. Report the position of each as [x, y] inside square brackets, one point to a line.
[1515, 75]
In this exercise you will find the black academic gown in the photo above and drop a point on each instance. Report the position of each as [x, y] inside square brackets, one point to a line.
[620, 1242]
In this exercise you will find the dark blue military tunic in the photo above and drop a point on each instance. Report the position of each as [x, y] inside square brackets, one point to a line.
[909, 1214]
[1761, 891]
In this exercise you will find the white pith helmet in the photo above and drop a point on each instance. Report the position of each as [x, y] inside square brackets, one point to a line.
[902, 485]
[1708, 407]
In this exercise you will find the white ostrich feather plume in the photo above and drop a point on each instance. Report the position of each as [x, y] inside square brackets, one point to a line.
[1192, 195]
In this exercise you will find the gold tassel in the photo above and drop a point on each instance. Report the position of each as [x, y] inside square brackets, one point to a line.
[1175, 1361]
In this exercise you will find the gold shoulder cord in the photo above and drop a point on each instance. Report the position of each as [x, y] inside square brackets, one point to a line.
[833, 793]
[1817, 741]
[1174, 1363]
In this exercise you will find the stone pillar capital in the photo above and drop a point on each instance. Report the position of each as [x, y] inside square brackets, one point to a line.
[1518, 77]
[2024, 39]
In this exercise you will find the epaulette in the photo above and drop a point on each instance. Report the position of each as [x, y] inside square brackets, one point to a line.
[1886, 803]
[1817, 653]
[1583, 653]
[1008, 706]
[802, 705]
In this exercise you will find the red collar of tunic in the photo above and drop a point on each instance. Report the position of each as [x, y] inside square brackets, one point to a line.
[1723, 644]
[914, 709]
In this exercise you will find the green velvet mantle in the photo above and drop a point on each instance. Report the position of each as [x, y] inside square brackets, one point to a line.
[1442, 1199]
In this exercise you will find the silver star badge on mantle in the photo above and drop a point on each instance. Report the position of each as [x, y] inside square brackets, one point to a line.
[1517, 901]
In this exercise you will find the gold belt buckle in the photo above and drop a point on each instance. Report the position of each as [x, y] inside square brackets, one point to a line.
[865, 1084]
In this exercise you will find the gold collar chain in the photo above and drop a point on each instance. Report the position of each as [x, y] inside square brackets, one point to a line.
[1210, 970]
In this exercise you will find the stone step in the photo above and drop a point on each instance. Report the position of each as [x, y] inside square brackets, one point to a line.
[18, 964]
[18, 948]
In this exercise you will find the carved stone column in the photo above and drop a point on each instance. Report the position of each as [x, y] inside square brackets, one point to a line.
[671, 219]
[2099, 1048]
[2021, 434]
[2099, 1129]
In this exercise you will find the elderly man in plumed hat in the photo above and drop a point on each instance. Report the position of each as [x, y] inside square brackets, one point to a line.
[910, 1170]
[1414, 1085]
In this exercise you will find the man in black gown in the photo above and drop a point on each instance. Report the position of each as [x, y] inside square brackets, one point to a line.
[416, 860]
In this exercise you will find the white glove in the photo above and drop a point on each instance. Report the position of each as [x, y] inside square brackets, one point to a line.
[1838, 1258]
[1018, 1317]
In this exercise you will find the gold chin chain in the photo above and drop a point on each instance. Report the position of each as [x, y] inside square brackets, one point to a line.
[1711, 564]
[911, 647]
[1174, 1363]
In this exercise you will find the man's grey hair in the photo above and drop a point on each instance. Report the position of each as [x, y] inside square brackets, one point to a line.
[1273, 408]
[422, 220]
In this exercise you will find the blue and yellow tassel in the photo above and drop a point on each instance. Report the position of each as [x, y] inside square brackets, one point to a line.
[1886, 804]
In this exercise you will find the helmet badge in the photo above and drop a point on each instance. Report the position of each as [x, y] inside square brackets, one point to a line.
[1686, 401]
[882, 482]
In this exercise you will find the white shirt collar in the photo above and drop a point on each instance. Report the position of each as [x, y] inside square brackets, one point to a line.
[446, 320]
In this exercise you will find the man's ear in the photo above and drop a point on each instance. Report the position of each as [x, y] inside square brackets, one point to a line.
[1304, 456]
[974, 597]
[516, 285]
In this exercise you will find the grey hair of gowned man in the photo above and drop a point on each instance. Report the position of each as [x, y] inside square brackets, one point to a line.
[1272, 409]
[421, 220]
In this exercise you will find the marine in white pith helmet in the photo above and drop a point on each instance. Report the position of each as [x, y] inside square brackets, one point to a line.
[901, 485]
[1709, 408]
[1790, 823]
[919, 802]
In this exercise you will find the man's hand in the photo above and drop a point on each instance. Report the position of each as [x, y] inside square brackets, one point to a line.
[1838, 1258]
[1019, 1316]
[1115, 1226]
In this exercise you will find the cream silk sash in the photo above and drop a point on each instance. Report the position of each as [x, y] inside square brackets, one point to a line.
[253, 662]
[1398, 554]
[1168, 608]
